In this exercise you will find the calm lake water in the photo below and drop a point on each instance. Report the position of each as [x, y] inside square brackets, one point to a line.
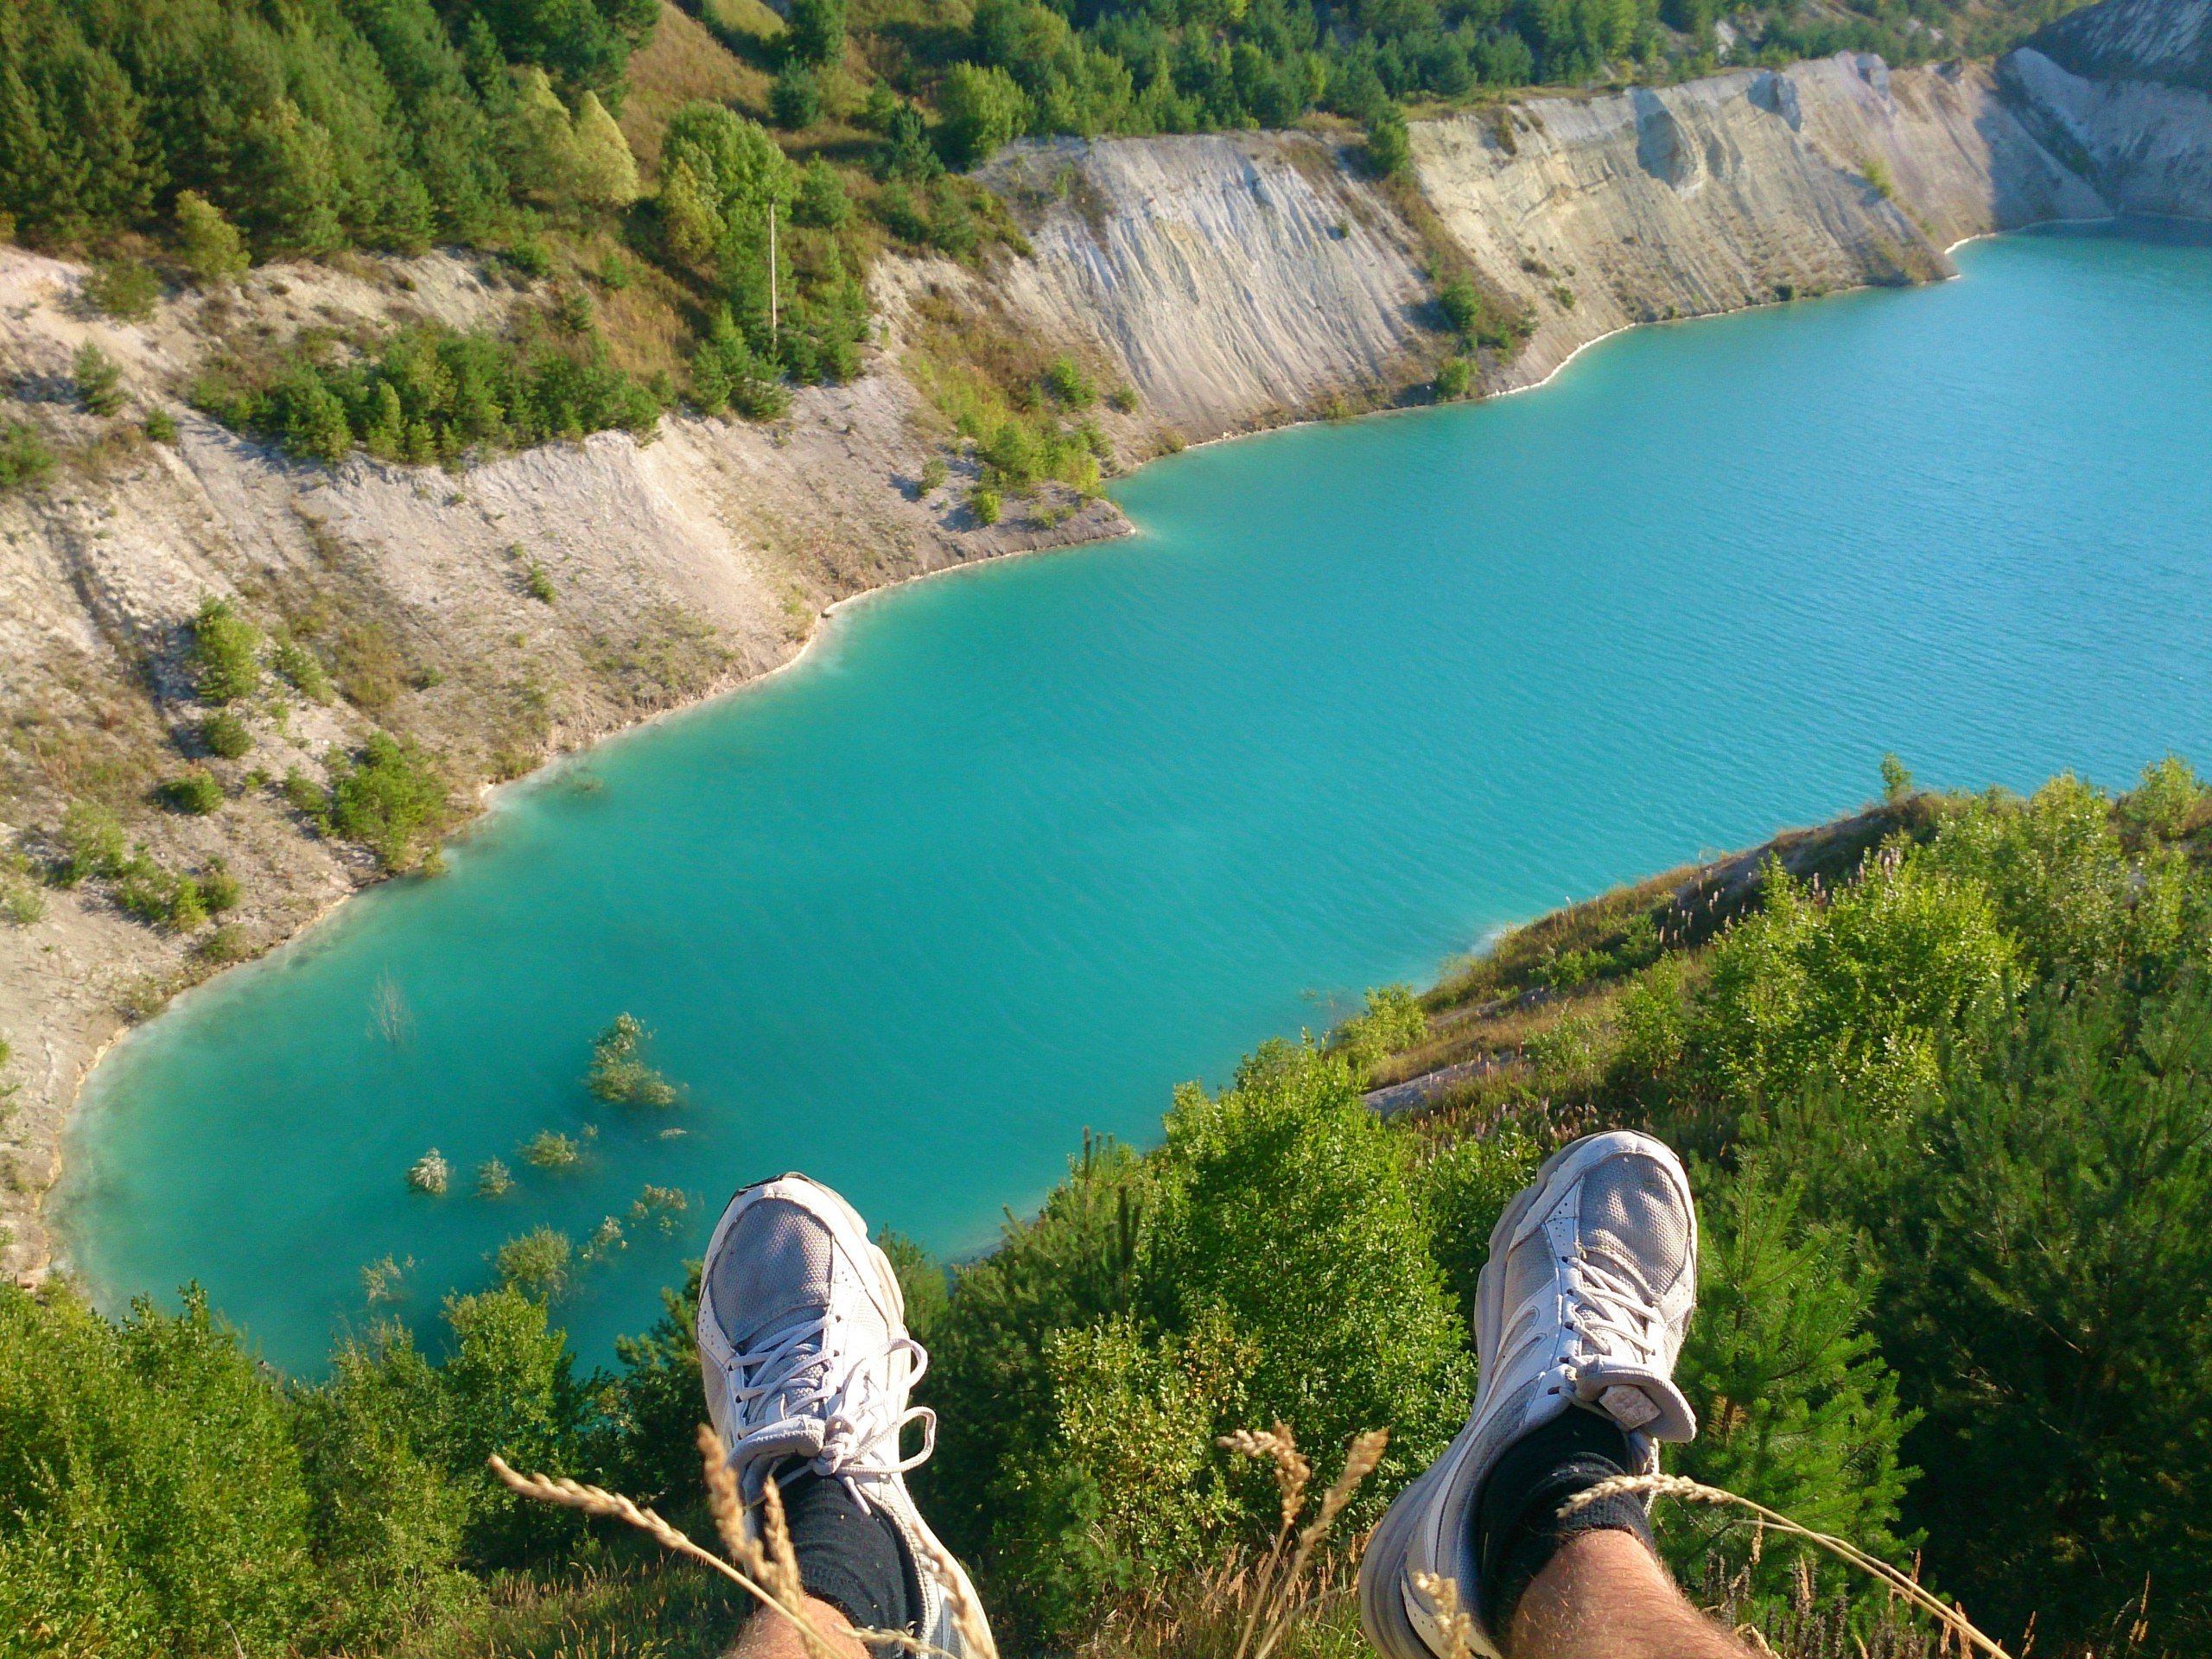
[1014, 852]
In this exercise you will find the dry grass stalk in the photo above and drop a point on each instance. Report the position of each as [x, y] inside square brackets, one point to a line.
[1953, 1621]
[597, 1501]
[1458, 1623]
[967, 1612]
[1275, 1581]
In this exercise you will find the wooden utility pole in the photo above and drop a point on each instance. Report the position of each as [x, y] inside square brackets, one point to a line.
[772, 267]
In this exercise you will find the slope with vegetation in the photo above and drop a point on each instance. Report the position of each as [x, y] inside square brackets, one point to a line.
[1948, 1101]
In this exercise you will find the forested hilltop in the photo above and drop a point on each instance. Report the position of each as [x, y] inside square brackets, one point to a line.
[1945, 1093]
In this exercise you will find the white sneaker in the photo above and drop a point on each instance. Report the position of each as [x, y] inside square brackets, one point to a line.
[1584, 1300]
[803, 1341]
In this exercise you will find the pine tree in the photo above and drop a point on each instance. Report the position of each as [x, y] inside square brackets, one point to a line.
[212, 248]
[541, 140]
[295, 179]
[605, 175]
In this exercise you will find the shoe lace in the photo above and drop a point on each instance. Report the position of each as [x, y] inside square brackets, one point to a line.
[1610, 1313]
[799, 1368]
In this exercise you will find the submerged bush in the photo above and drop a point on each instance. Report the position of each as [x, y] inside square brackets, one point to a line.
[618, 1071]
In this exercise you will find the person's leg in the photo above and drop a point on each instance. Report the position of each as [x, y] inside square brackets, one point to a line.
[1603, 1596]
[1580, 1314]
[767, 1637]
[804, 1349]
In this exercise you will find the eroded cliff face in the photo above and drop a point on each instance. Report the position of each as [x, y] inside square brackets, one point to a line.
[1733, 191]
[1230, 282]
[678, 568]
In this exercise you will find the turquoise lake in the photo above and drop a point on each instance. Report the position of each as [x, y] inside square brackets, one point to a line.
[1012, 852]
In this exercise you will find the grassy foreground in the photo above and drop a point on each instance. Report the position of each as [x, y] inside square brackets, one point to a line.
[1945, 1095]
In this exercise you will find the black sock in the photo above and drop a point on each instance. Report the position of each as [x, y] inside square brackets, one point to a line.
[855, 1560]
[1516, 1525]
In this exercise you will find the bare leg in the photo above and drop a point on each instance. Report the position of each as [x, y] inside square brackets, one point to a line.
[1602, 1597]
[767, 1637]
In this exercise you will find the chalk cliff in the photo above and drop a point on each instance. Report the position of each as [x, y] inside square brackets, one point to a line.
[1230, 282]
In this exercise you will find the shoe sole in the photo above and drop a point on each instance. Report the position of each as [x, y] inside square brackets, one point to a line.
[1382, 1582]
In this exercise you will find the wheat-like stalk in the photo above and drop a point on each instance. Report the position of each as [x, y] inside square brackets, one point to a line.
[1274, 1581]
[1443, 1594]
[723, 1500]
[967, 1613]
[1953, 1620]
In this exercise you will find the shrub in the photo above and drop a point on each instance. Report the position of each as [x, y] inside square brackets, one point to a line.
[618, 1071]
[982, 108]
[208, 244]
[224, 653]
[308, 798]
[1390, 149]
[24, 458]
[530, 257]
[822, 203]
[196, 791]
[1454, 379]
[987, 506]
[160, 426]
[301, 669]
[934, 474]
[795, 98]
[2165, 804]
[223, 946]
[226, 734]
[816, 32]
[100, 383]
[1464, 1190]
[1124, 398]
[123, 287]
[493, 1179]
[22, 904]
[548, 1149]
[1394, 1020]
[1068, 383]
[537, 581]
[537, 1264]
[92, 843]
[219, 887]
[391, 800]
[151, 1486]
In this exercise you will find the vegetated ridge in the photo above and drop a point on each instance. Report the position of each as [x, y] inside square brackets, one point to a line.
[1945, 1094]
[402, 631]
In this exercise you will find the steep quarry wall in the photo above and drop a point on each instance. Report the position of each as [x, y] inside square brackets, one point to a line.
[679, 567]
[1230, 282]
[1732, 191]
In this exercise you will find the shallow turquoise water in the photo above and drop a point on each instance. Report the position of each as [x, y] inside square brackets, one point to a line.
[1014, 852]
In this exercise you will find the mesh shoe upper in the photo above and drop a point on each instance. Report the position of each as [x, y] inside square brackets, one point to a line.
[803, 1347]
[1584, 1300]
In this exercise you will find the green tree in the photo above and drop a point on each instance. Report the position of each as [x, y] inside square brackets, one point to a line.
[224, 652]
[1796, 1409]
[1390, 148]
[606, 174]
[795, 98]
[391, 800]
[100, 383]
[209, 244]
[982, 108]
[816, 33]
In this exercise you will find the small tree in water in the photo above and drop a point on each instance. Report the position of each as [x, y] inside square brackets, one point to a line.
[619, 1073]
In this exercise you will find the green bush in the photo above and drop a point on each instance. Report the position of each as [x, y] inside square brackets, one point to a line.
[390, 798]
[537, 581]
[226, 734]
[303, 669]
[195, 792]
[149, 1486]
[1390, 149]
[795, 98]
[431, 394]
[934, 472]
[92, 843]
[618, 1071]
[1068, 383]
[822, 203]
[1454, 379]
[24, 458]
[160, 426]
[124, 289]
[208, 244]
[987, 506]
[100, 383]
[224, 653]
[219, 887]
